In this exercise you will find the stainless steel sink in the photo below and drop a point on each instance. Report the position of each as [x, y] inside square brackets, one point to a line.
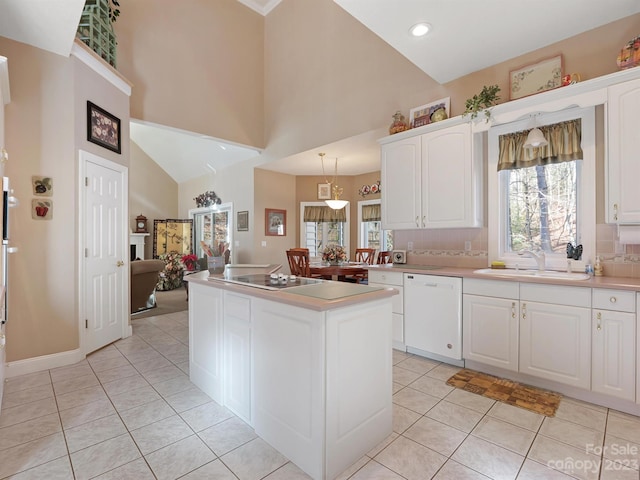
[506, 272]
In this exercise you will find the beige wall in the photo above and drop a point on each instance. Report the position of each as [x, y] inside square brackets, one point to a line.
[152, 193]
[45, 127]
[198, 67]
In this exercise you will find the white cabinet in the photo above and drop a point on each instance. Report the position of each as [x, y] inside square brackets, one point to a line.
[237, 354]
[394, 280]
[400, 174]
[623, 167]
[555, 333]
[205, 349]
[433, 314]
[491, 322]
[431, 180]
[613, 339]
[450, 188]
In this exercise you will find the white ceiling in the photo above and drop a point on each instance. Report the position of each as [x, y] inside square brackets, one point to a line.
[467, 35]
[186, 155]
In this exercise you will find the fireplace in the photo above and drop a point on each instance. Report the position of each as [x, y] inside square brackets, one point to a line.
[136, 245]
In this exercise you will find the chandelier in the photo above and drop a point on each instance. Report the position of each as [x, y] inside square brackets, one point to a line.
[336, 191]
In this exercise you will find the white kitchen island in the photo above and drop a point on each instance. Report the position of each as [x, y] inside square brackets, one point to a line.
[308, 367]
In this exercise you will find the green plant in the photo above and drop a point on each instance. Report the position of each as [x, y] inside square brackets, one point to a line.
[483, 101]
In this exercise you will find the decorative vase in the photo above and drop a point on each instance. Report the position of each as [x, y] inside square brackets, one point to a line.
[399, 124]
[215, 264]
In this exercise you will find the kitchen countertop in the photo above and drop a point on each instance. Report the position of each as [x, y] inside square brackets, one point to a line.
[326, 295]
[618, 283]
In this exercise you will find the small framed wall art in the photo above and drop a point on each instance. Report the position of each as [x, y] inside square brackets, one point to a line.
[242, 222]
[429, 113]
[275, 222]
[324, 191]
[535, 78]
[103, 128]
[41, 209]
[42, 186]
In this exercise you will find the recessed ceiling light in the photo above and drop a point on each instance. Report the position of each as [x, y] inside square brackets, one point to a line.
[420, 29]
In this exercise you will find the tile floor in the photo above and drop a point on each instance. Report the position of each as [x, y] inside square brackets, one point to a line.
[129, 412]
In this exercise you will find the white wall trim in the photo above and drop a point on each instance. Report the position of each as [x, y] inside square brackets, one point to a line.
[43, 362]
[95, 63]
[4, 80]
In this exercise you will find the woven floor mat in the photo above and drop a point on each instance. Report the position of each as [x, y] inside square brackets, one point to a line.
[530, 398]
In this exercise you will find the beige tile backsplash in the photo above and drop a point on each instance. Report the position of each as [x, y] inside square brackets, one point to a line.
[446, 247]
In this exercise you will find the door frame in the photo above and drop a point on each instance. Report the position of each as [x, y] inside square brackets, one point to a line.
[83, 158]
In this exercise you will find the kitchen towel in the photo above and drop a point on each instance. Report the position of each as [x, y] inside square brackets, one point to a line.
[629, 234]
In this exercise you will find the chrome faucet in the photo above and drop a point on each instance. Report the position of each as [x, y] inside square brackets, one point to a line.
[538, 257]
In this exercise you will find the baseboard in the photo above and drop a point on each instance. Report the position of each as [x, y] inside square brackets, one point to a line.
[44, 362]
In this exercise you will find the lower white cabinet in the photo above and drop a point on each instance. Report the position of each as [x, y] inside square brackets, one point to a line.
[205, 349]
[394, 280]
[491, 322]
[613, 340]
[237, 355]
[555, 333]
[433, 314]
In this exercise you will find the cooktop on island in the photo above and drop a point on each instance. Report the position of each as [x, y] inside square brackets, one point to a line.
[272, 281]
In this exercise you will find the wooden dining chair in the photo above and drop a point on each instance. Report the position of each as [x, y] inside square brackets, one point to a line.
[299, 261]
[384, 257]
[365, 255]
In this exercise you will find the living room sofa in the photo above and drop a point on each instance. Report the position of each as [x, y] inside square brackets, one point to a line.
[144, 277]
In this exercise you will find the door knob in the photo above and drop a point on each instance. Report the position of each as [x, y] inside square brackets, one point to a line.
[119, 263]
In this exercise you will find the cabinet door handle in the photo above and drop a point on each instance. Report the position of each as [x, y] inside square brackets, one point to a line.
[513, 309]
[613, 300]
[417, 221]
[524, 311]
[424, 218]
[599, 317]
[615, 211]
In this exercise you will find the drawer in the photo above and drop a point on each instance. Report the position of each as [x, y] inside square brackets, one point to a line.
[386, 278]
[618, 300]
[491, 288]
[556, 294]
[237, 306]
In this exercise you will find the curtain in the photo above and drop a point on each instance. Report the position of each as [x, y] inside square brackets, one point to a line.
[371, 213]
[324, 214]
[564, 146]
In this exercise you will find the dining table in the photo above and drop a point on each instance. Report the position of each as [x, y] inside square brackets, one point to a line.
[338, 272]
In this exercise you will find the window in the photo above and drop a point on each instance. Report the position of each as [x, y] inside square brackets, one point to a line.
[370, 233]
[212, 225]
[547, 205]
[320, 226]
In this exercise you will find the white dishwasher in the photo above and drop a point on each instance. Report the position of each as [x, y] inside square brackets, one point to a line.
[433, 315]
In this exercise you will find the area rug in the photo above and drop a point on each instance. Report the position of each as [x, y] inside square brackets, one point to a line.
[530, 398]
[168, 301]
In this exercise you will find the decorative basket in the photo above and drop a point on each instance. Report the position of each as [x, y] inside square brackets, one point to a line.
[629, 56]
[96, 31]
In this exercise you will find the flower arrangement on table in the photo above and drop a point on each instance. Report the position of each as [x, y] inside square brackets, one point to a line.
[189, 261]
[171, 277]
[334, 254]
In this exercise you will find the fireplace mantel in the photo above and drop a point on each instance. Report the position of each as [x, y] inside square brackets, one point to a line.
[136, 242]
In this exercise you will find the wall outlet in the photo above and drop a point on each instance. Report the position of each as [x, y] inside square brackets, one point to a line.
[620, 247]
[264, 243]
[467, 246]
[409, 245]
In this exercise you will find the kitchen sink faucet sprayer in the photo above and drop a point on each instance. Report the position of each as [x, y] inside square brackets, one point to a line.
[538, 257]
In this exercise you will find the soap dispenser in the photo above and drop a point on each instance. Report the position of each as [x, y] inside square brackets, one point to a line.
[598, 271]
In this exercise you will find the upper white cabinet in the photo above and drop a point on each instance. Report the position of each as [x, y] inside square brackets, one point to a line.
[400, 174]
[431, 180]
[623, 169]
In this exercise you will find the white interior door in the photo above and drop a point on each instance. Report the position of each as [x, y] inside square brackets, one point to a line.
[106, 264]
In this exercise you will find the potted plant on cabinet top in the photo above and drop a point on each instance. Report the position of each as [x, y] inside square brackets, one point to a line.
[482, 101]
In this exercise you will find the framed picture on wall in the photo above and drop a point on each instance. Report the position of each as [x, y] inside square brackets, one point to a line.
[103, 128]
[243, 221]
[275, 222]
[324, 191]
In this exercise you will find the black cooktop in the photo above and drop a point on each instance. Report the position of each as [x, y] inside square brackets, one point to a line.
[265, 281]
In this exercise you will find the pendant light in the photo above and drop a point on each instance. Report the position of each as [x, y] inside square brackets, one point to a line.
[535, 138]
[335, 203]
